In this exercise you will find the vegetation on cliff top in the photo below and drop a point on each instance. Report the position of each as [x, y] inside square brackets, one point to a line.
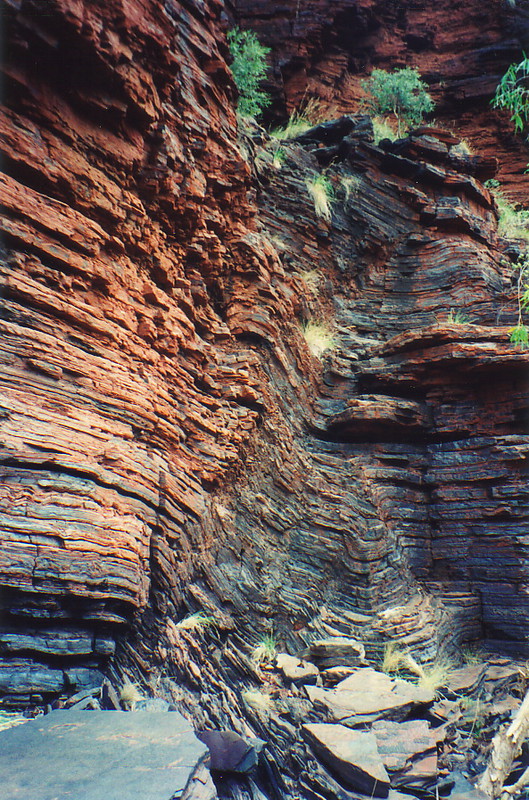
[249, 69]
[401, 93]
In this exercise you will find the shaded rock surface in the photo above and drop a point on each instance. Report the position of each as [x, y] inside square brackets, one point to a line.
[354, 756]
[104, 755]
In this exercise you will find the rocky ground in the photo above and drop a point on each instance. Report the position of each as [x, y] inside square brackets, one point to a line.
[330, 725]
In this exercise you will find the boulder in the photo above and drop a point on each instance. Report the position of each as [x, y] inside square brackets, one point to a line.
[367, 695]
[336, 651]
[296, 671]
[230, 752]
[351, 755]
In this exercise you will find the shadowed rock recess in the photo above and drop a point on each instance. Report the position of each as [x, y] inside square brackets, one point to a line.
[169, 443]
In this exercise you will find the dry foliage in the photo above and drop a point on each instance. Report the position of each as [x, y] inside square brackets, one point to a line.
[320, 339]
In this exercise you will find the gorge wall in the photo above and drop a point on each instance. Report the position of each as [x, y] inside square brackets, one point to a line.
[169, 442]
[324, 48]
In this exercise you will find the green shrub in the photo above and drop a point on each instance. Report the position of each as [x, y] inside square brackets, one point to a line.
[248, 68]
[512, 93]
[266, 650]
[512, 224]
[401, 93]
[519, 335]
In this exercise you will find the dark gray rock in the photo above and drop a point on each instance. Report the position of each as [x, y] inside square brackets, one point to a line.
[109, 697]
[21, 676]
[336, 651]
[82, 677]
[230, 752]
[52, 641]
[102, 755]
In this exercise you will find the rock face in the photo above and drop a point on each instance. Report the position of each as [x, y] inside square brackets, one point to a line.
[104, 755]
[119, 411]
[324, 48]
[353, 755]
[169, 442]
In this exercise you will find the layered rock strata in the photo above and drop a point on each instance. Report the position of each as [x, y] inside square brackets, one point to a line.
[325, 48]
[169, 442]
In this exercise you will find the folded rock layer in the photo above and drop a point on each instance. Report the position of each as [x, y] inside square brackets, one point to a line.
[169, 443]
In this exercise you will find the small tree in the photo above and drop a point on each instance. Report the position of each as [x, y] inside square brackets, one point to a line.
[513, 93]
[401, 93]
[248, 69]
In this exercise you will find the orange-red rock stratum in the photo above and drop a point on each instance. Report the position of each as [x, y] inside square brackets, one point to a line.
[169, 443]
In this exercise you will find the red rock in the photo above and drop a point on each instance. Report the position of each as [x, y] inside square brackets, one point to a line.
[352, 755]
[327, 48]
[166, 434]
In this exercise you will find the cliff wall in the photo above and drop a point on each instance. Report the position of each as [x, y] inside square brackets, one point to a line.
[169, 442]
[324, 48]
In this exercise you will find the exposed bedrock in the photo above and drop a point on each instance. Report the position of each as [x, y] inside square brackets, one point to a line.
[324, 48]
[169, 442]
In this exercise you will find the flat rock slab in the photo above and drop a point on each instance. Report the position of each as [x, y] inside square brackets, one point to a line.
[409, 751]
[465, 680]
[297, 671]
[100, 755]
[367, 695]
[336, 651]
[351, 755]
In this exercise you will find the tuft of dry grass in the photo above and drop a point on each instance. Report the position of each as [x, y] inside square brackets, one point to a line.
[392, 660]
[435, 677]
[130, 695]
[350, 185]
[462, 148]
[320, 339]
[322, 193]
[382, 129]
[265, 651]
[309, 113]
[312, 279]
[195, 622]
[432, 677]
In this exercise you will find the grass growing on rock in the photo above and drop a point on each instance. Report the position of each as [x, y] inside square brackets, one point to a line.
[382, 129]
[130, 695]
[308, 114]
[431, 678]
[322, 193]
[195, 622]
[457, 317]
[265, 651]
[512, 224]
[320, 339]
